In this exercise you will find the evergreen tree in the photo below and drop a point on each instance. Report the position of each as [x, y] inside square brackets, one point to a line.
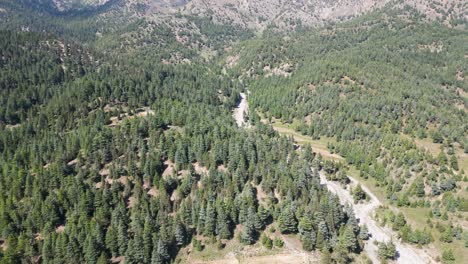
[102, 259]
[223, 223]
[448, 256]
[287, 222]
[210, 220]
[348, 239]
[340, 254]
[180, 234]
[91, 254]
[249, 233]
[387, 250]
[47, 252]
[326, 257]
[364, 232]
[447, 235]
[358, 194]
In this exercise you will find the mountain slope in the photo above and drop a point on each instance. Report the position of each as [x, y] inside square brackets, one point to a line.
[387, 93]
[118, 141]
[257, 14]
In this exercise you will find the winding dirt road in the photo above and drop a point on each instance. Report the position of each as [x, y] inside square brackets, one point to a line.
[364, 212]
[407, 254]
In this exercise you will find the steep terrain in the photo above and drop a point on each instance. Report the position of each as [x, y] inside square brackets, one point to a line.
[259, 15]
[127, 134]
[64, 5]
[350, 87]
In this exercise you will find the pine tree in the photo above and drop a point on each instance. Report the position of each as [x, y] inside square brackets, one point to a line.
[447, 235]
[340, 254]
[358, 194]
[277, 242]
[155, 257]
[130, 254]
[382, 250]
[248, 234]
[419, 187]
[306, 224]
[162, 251]
[348, 239]
[210, 220]
[251, 214]
[364, 232]
[47, 252]
[448, 256]
[399, 222]
[266, 241]
[122, 238]
[138, 249]
[454, 162]
[180, 234]
[147, 240]
[223, 222]
[309, 240]
[387, 250]
[391, 250]
[352, 222]
[102, 259]
[111, 241]
[326, 257]
[201, 219]
[264, 215]
[322, 235]
[287, 222]
[90, 251]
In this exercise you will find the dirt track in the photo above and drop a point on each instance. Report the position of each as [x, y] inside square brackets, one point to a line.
[407, 254]
[240, 110]
[364, 212]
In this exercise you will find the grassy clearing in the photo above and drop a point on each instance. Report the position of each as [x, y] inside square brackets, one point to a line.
[459, 250]
[435, 149]
[370, 183]
[235, 252]
[318, 146]
[211, 252]
[417, 218]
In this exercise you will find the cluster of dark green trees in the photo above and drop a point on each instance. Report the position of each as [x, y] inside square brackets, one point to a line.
[109, 154]
[79, 188]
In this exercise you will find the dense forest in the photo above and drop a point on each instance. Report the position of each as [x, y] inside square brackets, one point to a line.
[123, 148]
[112, 161]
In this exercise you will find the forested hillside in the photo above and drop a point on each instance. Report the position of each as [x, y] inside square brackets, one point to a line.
[102, 162]
[389, 96]
[118, 142]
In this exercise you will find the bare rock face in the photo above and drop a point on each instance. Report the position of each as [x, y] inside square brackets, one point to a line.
[284, 14]
[72, 4]
[258, 14]
[64, 5]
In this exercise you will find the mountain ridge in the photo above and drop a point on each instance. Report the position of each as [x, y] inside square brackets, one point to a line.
[258, 15]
